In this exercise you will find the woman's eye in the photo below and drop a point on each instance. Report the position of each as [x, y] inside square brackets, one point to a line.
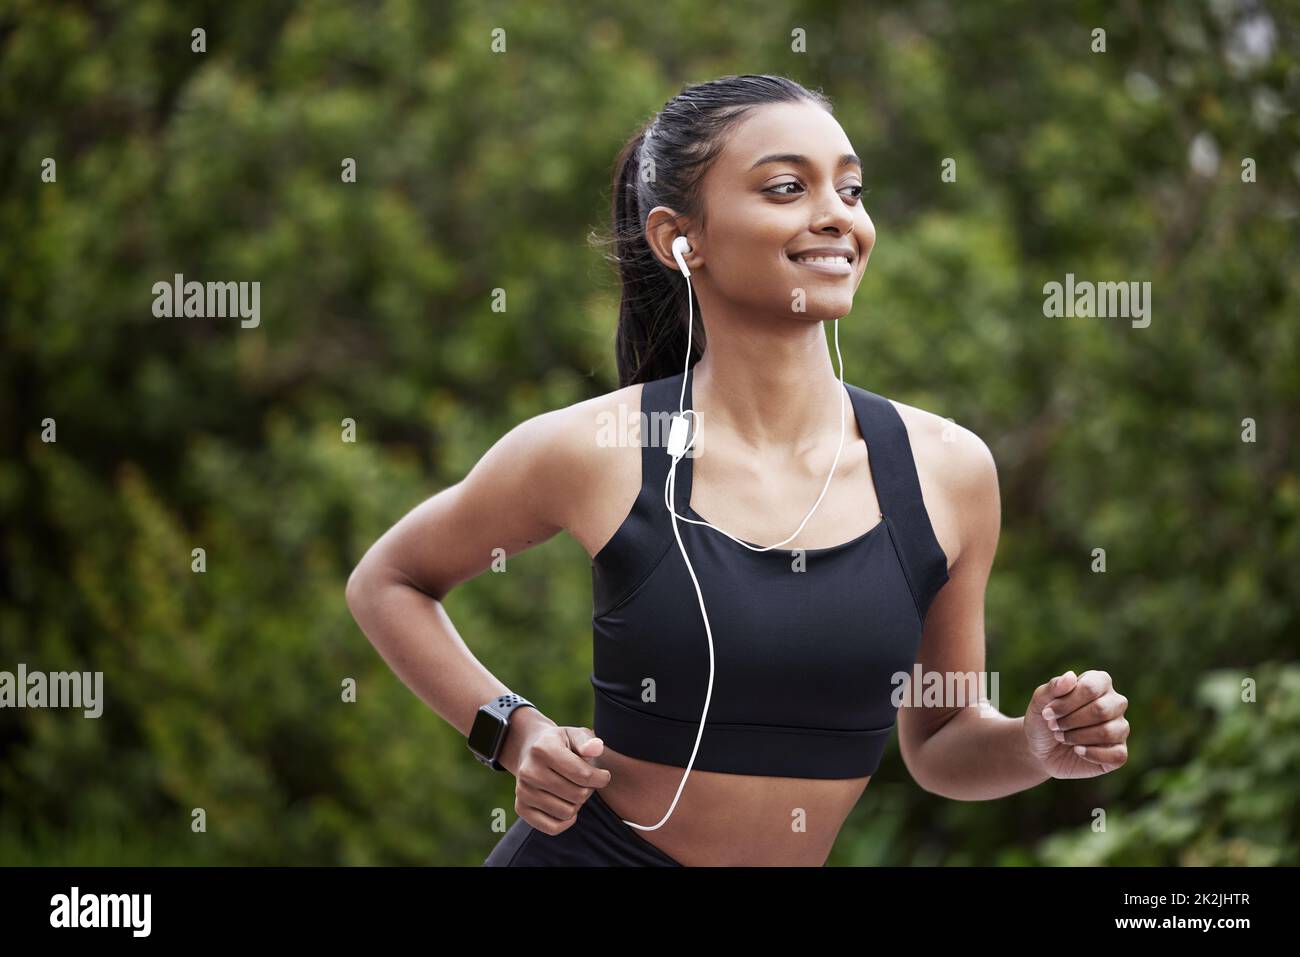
[859, 190]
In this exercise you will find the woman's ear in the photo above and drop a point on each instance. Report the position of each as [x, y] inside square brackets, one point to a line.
[663, 225]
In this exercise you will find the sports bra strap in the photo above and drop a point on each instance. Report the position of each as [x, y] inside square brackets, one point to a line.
[893, 469]
[659, 404]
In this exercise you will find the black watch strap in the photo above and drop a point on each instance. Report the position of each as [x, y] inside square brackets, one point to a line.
[499, 709]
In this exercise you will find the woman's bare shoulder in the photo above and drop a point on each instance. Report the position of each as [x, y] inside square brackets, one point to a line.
[943, 441]
[591, 424]
[588, 440]
[958, 477]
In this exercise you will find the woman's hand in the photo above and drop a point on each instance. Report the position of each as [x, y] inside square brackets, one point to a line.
[1076, 725]
[553, 776]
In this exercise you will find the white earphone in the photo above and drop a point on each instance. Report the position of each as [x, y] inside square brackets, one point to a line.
[681, 246]
[677, 448]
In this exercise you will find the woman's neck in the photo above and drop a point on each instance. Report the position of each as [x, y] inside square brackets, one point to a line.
[769, 396]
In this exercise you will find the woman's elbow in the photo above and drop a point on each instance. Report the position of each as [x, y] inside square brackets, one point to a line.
[371, 578]
[361, 586]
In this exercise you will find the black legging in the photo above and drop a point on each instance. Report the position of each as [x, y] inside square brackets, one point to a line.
[598, 838]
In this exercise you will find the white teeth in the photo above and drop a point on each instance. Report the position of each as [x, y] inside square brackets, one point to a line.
[822, 259]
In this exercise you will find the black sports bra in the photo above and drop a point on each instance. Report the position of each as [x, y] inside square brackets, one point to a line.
[807, 642]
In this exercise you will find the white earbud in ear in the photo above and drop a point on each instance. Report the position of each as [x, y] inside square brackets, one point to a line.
[681, 246]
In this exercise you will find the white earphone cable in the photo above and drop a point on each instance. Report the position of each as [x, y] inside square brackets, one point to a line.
[670, 487]
[670, 492]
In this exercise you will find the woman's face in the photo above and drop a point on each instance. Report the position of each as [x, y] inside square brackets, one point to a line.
[762, 213]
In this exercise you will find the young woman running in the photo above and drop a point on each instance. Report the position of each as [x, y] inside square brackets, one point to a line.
[768, 676]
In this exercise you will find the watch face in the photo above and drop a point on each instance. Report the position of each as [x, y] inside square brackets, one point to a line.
[488, 730]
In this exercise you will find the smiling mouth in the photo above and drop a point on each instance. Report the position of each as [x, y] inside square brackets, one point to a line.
[821, 259]
[830, 265]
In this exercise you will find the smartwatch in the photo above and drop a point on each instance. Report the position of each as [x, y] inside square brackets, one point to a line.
[488, 735]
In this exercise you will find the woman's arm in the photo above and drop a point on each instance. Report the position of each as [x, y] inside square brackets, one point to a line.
[1074, 726]
[515, 497]
[959, 752]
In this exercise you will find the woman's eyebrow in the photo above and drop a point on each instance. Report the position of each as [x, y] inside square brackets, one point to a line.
[798, 159]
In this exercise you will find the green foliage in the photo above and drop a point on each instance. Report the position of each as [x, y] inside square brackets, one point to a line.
[1232, 804]
[481, 171]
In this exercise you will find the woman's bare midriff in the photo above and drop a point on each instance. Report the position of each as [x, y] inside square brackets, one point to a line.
[730, 820]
